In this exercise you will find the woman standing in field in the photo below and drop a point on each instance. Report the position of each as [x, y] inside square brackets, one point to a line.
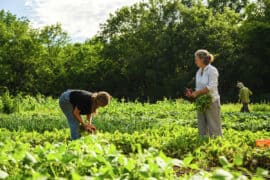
[209, 122]
[75, 103]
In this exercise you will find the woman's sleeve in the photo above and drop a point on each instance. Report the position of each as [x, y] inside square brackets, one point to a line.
[212, 80]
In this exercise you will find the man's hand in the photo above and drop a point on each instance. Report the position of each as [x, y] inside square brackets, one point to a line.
[92, 127]
[89, 128]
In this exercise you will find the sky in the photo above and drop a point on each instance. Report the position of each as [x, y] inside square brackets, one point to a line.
[80, 18]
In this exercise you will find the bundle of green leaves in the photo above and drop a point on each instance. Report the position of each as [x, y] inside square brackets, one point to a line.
[203, 102]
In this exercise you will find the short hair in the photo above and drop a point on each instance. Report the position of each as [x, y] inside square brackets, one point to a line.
[240, 84]
[103, 98]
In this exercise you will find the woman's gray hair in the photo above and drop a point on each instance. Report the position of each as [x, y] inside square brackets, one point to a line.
[205, 56]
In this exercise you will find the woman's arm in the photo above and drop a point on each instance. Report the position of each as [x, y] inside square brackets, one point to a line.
[200, 92]
[76, 113]
[212, 84]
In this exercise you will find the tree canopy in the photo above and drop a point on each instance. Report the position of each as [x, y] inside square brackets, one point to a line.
[144, 51]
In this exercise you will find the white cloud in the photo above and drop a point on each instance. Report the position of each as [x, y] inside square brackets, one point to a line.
[80, 18]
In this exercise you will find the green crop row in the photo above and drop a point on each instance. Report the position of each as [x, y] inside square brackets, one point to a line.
[83, 158]
[132, 156]
[134, 141]
[130, 117]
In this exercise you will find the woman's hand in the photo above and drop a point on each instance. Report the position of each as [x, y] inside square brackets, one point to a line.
[194, 94]
[191, 93]
[188, 92]
[199, 92]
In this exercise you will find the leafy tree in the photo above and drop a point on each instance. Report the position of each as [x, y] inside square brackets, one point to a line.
[156, 48]
[52, 39]
[221, 5]
[143, 51]
[18, 51]
[255, 34]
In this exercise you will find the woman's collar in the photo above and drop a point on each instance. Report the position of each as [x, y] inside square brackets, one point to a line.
[205, 68]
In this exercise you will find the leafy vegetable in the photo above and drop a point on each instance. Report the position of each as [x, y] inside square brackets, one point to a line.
[135, 141]
[203, 102]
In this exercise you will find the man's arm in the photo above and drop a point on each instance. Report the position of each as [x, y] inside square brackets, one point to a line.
[76, 113]
[89, 118]
[250, 92]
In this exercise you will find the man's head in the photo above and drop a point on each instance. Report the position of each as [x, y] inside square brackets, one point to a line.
[240, 85]
[103, 98]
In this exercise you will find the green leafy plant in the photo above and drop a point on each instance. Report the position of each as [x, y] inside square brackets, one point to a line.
[203, 102]
[134, 141]
[9, 104]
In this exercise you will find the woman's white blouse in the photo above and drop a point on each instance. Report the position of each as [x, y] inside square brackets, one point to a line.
[209, 80]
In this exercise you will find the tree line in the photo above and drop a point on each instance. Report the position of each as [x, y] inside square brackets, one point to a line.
[144, 51]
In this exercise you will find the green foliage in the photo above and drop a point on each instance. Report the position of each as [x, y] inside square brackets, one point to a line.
[255, 35]
[143, 51]
[135, 141]
[87, 157]
[203, 102]
[34, 113]
[146, 51]
[108, 155]
[9, 105]
[221, 5]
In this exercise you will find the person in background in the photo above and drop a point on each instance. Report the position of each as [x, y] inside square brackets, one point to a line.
[75, 103]
[244, 94]
[209, 122]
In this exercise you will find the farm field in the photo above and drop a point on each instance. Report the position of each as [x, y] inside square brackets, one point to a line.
[134, 141]
[144, 51]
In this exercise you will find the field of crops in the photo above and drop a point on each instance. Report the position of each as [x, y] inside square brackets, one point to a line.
[134, 141]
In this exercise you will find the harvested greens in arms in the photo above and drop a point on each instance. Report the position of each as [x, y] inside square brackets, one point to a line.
[203, 102]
